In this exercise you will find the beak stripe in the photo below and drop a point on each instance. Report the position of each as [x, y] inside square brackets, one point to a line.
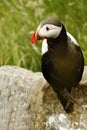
[33, 39]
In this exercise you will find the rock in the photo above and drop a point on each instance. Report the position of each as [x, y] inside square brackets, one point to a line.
[27, 102]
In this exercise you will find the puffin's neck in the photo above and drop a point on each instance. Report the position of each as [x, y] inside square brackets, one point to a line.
[60, 41]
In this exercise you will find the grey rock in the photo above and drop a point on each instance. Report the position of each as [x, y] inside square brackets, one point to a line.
[27, 102]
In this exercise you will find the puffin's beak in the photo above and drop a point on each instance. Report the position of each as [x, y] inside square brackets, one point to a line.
[36, 37]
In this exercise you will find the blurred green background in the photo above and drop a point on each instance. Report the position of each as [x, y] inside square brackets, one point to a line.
[19, 18]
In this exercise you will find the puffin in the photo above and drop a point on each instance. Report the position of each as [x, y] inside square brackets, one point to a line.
[62, 59]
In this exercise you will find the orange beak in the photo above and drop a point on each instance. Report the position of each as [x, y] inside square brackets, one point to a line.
[35, 37]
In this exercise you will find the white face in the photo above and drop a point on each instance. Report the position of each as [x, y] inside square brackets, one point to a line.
[49, 31]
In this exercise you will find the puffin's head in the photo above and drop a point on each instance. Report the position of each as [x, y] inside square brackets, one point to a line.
[48, 29]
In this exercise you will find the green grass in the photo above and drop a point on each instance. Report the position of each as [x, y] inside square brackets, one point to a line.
[18, 19]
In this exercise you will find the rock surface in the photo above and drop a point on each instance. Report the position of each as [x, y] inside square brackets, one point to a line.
[27, 102]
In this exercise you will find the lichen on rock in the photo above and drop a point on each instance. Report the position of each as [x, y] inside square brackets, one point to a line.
[27, 102]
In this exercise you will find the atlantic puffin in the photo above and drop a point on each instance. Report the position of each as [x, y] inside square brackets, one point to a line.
[62, 58]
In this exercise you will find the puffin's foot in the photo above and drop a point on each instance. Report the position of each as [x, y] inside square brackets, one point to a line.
[69, 97]
[69, 108]
[67, 101]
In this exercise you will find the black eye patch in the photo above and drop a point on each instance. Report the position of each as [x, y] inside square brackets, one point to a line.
[47, 29]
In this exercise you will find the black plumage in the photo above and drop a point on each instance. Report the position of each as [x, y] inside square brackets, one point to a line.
[63, 63]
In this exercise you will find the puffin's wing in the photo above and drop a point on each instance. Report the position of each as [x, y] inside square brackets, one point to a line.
[72, 38]
[45, 45]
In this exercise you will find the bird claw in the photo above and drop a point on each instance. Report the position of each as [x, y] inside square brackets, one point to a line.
[70, 101]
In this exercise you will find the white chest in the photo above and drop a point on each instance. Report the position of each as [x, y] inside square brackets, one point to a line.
[44, 46]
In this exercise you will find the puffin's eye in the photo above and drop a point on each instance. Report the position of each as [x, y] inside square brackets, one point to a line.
[47, 28]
